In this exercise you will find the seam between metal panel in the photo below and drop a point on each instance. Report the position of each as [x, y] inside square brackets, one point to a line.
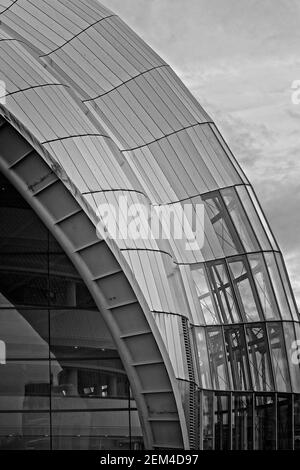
[76, 35]
[126, 81]
[7, 8]
[167, 135]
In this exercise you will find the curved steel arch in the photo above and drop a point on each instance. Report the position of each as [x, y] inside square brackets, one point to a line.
[44, 186]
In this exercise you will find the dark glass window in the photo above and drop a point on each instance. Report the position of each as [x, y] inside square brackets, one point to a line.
[62, 382]
[237, 357]
[265, 422]
[218, 360]
[222, 422]
[259, 358]
[242, 425]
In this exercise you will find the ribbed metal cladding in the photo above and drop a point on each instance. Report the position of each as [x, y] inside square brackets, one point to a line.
[116, 120]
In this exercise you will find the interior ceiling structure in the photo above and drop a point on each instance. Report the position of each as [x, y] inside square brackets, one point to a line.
[110, 118]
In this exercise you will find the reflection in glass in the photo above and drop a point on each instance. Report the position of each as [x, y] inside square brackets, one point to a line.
[284, 422]
[244, 290]
[277, 285]
[259, 358]
[240, 220]
[206, 300]
[224, 294]
[242, 426]
[237, 357]
[253, 217]
[222, 422]
[24, 431]
[265, 422]
[208, 420]
[263, 286]
[279, 359]
[222, 224]
[203, 361]
[292, 351]
[62, 382]
[296, 422]
[217, 357]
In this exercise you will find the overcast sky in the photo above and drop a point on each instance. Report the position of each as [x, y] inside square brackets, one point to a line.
[239, 58]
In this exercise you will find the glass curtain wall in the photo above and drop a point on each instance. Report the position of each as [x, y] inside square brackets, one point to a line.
[62, 383]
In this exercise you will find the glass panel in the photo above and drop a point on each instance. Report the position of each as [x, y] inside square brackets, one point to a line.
[278, 355]
[263, 286]
[217, 357]
[293, 352]
[259, 358]
[244, 290]
[78, 384]
[206, 300]
[24, 332]
[24, 431]
[253, 217]
[90, 404]
[23, 278]
[222, 225]
[24, 385]
[237, 357]
[262, 218]
[208, 420]
[224, 293]
[287, 286]
[222, 422]
[203, 361]
[242, 425]
[297, 422]
[240, 220]
[79, 333]
[277, 286]
[285, 422]
[265, 423]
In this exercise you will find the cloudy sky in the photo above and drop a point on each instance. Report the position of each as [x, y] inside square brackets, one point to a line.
[240, 58]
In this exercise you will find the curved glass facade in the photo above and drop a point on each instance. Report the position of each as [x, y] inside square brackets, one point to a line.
[62, 383]
[207, 336]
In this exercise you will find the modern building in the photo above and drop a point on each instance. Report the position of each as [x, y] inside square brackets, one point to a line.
[129, 343]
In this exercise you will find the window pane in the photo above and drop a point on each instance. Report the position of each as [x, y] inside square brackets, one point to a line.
[297, 422]
[284, 422]
[242, 426]
[265, 423]
[240, 220]
[237, 357]
[277, 286]
[206, 300]
[293, 357]
[203, 360]
[222, 225]
[244, 290]
[24, 385]
[78, 384]
[263, 286]
[24, 431]
[224, 293]
[222, 422]
[262, 218]
[25, 333]
[259, 359]
[208, 420]
[287, 286]
[278, 356]
[253, 217]
[218, 359]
